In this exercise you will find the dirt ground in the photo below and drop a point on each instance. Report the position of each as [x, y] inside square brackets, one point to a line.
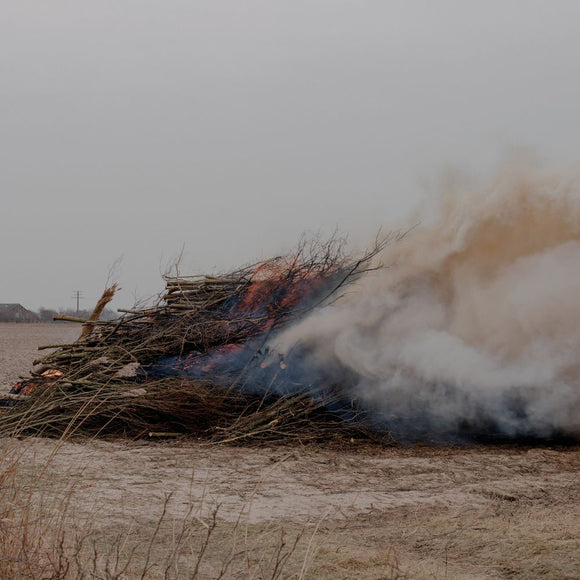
[361, 512]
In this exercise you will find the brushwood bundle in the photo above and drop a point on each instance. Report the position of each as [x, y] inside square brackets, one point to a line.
[197, 361]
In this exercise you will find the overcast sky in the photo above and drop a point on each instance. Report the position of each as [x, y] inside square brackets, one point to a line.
[134, 128]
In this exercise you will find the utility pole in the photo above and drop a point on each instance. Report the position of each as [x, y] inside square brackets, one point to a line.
[78, 294]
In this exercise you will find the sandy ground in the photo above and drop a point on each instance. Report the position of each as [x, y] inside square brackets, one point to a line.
[364, 512]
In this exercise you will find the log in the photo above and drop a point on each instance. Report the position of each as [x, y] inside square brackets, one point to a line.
[69, 318]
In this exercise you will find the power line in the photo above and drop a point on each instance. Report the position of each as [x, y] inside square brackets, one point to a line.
[78, 294]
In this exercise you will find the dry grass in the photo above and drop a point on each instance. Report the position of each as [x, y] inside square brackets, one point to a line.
[43, 534]
[136, 510]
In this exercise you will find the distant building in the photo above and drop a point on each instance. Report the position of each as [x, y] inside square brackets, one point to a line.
[16, 313]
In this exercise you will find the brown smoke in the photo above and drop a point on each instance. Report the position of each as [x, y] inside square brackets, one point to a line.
[474, 323]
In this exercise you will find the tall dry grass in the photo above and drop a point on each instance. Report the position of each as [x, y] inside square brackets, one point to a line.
[51, 528]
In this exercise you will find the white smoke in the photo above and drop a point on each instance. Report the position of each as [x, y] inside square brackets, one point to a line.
[474, 322]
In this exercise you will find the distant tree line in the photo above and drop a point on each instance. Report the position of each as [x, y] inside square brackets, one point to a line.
[47, 314]
[15, 312]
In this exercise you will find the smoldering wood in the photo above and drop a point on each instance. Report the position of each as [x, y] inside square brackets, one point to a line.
[93, 397]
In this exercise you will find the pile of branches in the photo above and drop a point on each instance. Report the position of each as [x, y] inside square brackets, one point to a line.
[108, 383]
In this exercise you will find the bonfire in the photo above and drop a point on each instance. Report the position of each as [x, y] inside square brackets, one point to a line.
[197, 362]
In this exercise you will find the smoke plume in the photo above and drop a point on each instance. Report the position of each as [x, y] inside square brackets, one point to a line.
[473, 323]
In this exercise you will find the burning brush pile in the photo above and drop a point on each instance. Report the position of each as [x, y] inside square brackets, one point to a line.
[472, 332]
[197, 362]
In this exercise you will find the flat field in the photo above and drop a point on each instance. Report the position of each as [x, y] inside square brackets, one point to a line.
[179, 508]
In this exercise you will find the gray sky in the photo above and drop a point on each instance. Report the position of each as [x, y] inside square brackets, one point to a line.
[133, 128]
